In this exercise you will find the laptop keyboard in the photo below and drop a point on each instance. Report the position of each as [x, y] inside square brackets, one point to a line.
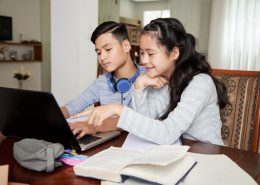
[88, 139]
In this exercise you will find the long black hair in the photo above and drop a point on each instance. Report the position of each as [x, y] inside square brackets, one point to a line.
[170, 33]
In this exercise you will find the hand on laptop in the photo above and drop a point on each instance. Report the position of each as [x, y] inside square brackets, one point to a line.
[82, 128]
[97, 115]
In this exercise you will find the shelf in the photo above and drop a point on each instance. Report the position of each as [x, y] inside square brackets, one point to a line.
[133, 28]
[20, 52]
[13, 61]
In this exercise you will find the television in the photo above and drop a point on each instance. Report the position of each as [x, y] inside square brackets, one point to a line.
[6, 30]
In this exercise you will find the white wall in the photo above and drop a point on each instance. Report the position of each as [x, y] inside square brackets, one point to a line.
[195, 16]
[6, 75]
[74, 63]
[26, 17]
[26, 21]
[127, 9]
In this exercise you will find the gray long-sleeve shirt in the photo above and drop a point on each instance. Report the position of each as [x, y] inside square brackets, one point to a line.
[99, 91]
[196, 116]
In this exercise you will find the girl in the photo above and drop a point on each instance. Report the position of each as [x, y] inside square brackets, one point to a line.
[177, 96]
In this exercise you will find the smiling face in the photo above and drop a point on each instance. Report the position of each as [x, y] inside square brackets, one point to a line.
[155, 57]
[111, 53]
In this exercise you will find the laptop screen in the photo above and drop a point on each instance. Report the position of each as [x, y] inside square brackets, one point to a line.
[34, 114]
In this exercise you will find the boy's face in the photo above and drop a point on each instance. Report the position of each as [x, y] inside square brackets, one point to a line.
[110, 52]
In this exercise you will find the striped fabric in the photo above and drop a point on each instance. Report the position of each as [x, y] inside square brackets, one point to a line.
[239, 118]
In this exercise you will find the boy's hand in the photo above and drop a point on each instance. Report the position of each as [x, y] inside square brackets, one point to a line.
[82, 128]
[98, 114]
[144, 81]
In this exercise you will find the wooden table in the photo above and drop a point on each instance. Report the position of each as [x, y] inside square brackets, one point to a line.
[249, 161]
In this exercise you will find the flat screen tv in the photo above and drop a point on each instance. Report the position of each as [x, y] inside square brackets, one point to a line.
[6, 31]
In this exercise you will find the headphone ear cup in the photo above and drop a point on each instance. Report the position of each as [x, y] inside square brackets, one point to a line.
[123, 85]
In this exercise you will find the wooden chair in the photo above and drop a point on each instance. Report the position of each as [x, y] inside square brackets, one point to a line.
[241, 119]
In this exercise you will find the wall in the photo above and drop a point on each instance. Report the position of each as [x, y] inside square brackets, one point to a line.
[195, 16]
[74, 62]
[29, 25]
[46, 45]
[127, 9]
[108, 10]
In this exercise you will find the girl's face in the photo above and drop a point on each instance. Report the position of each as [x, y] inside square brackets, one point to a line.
[154, 57]
[110, 52]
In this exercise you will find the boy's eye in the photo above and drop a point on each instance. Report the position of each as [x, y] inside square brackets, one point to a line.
[150, 54]
[108, 49]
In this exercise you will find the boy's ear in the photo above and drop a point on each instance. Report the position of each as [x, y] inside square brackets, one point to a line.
[175, 53]
[126, 45]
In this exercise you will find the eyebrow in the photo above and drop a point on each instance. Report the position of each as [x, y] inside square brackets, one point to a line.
[103, 46]
[148, 49]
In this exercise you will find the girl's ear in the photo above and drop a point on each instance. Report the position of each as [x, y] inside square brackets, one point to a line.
[175, 53]
[126, 45]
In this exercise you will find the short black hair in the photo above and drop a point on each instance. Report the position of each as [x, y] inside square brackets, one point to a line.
[118, 30]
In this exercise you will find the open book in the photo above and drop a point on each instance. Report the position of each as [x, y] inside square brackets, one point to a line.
[213, 169]
[164, 164]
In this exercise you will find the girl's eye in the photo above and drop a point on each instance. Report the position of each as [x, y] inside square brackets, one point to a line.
[108, 49]
[150, 54]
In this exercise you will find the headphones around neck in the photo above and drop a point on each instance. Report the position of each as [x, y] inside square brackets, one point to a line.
[123, 84]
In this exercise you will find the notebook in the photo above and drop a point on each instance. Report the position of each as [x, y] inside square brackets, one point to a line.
[36, 114]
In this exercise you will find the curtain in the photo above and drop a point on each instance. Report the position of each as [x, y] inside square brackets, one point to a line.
[234, 41]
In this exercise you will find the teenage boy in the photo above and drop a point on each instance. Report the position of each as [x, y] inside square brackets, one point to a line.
[113, 51]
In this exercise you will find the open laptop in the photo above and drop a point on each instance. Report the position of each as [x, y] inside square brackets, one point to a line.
[35, 114]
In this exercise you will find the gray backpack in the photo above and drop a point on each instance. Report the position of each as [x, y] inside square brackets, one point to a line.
[38, 155]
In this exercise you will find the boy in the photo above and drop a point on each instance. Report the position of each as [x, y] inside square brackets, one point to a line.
[113, 51]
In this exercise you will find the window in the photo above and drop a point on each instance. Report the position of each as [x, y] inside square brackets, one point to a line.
[153, 14]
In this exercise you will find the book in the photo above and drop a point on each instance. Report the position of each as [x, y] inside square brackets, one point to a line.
[163, 164]
[4, 170]
[213, 169]
[4, 174]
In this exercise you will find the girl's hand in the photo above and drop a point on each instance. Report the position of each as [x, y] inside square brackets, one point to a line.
[144, 81]
[98, 114]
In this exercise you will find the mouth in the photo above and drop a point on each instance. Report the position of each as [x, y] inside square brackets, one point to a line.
[149, 68]
[105, 64]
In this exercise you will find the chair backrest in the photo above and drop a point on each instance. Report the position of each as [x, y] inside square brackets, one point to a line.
[241, 119]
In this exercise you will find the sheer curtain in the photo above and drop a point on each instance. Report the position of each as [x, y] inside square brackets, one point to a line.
[235, 35]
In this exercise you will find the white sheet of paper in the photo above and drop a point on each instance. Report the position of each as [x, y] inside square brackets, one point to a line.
[133, 142]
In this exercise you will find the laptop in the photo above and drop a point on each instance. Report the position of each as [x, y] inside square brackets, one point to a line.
[35, 114]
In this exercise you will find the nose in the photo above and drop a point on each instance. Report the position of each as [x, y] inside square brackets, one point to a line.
[102, 56]
[144, 59]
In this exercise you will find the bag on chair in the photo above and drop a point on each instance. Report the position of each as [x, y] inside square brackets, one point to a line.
[38, 155]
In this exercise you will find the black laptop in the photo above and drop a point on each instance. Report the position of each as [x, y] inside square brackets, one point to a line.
[36, 114]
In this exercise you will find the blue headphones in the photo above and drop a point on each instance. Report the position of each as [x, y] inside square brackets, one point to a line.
[123, 84]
